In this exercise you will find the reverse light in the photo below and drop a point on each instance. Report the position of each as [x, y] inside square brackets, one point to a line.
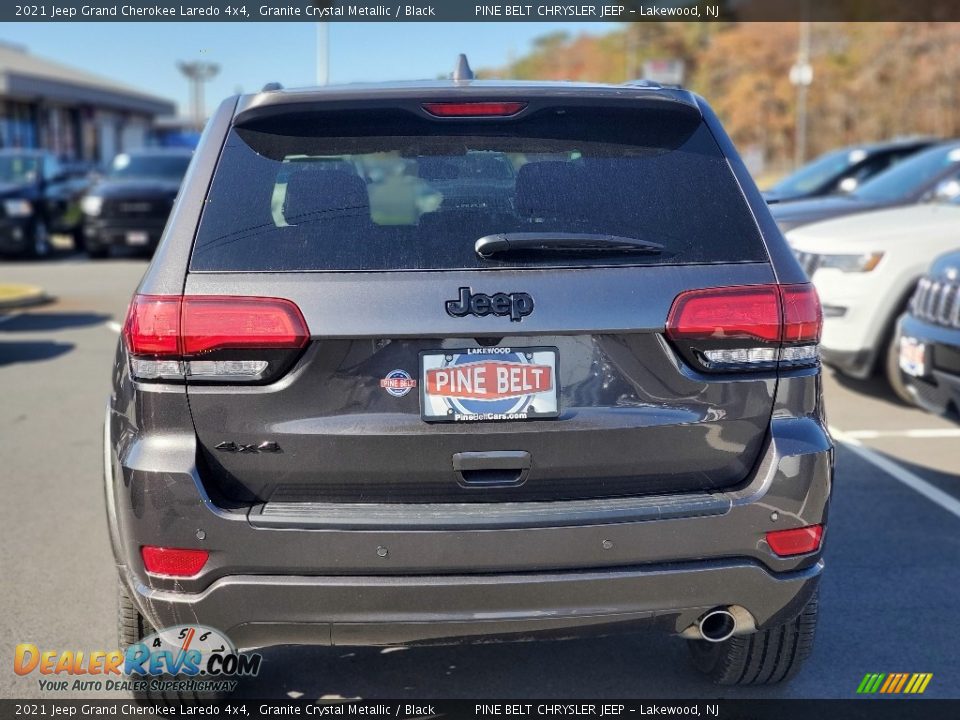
[747, 327]
[796, 541]
[173, 562]
[473, 109]
[215, 338]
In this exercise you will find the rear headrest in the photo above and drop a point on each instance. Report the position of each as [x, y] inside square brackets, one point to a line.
[549, 189]
[314, 193]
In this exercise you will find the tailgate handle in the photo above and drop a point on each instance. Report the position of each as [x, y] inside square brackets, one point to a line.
[496, 468]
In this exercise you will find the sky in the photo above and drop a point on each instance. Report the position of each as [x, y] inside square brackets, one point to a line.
[251, 54]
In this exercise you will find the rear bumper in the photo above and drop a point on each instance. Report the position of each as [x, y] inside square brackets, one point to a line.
[256, 611]
[316, 576]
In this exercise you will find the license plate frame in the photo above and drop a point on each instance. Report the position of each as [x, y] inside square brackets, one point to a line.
[463, 402]
[913, 358]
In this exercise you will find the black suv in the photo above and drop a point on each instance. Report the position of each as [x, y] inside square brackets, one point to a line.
[930, 339]
[358, 402]
[130, 205]
[39, 197]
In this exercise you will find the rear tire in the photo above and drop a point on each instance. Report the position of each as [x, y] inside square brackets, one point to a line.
[770, 656]
[132, 627]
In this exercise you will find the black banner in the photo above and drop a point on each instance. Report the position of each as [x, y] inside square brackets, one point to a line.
[478, 10]
[872, 709]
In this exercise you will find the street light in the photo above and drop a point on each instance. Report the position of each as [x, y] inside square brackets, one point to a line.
[801, 76]
[198, 72]
[323, 53]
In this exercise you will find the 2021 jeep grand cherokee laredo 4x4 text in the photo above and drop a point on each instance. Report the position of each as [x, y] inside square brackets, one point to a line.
[437, 361]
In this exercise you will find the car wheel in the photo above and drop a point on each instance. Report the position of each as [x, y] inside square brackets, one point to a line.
[763, 658]
[40, 245]
[893, 373]
[132, 627]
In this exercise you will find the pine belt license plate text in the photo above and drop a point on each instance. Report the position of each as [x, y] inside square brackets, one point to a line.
[494, 383]
[137, 237]
[913, 357]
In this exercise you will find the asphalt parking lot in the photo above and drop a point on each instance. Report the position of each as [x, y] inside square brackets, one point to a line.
[888, 598]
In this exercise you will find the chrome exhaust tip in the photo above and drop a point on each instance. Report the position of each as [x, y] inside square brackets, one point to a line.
[717, 625]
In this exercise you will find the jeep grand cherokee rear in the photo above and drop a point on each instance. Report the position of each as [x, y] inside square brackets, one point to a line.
[445, 361]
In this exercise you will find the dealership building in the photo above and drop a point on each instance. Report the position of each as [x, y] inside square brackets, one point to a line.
[44, 104]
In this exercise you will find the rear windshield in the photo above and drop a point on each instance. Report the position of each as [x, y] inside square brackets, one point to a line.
[392, 191]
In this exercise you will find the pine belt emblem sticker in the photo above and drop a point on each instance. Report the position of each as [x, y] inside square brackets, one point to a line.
[398, 383]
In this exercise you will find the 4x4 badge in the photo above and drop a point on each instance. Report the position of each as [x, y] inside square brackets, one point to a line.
[516, 305]
[268, 446]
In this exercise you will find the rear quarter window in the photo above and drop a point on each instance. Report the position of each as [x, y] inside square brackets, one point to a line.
[388, 190]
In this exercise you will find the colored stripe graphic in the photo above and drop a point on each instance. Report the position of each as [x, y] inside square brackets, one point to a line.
[894, 683]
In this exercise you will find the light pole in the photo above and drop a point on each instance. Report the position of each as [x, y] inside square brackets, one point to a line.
[198, 72]
[801, 75]
[323, 53]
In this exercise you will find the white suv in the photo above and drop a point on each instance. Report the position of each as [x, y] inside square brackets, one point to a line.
[865, 268]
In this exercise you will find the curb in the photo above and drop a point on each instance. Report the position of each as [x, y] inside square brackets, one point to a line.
[19, 296]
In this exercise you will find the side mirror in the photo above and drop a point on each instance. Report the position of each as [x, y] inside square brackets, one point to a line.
[848, 185]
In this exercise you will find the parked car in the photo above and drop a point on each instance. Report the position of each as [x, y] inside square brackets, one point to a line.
[39, 197]
[129, 206]
[843, 170]
[929, 174]
[865, 268]
[930, 339]
[591, 409]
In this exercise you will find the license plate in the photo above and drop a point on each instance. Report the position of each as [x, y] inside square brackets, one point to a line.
[137, 238]
[489, 384]
[913, 357]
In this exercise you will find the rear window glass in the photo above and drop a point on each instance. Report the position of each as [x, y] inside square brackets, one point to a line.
[391, 191]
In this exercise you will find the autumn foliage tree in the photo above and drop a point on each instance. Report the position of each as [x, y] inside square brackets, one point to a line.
[872, 81]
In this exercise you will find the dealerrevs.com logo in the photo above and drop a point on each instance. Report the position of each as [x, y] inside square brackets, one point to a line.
[182, 658]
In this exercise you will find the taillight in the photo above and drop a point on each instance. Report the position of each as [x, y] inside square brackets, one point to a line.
[173, 562]
[213, 338]
[214, 323]
[802, 316]
[796, 541]
[473, 109]
[153, 325]
[747, 327]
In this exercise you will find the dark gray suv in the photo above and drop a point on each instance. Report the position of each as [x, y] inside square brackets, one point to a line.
[454, 360]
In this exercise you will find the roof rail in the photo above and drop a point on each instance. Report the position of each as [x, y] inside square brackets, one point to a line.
[271, 86]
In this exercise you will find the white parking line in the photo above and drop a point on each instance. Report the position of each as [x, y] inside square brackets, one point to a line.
[114, 325]
[897, 472]
[916, 433]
